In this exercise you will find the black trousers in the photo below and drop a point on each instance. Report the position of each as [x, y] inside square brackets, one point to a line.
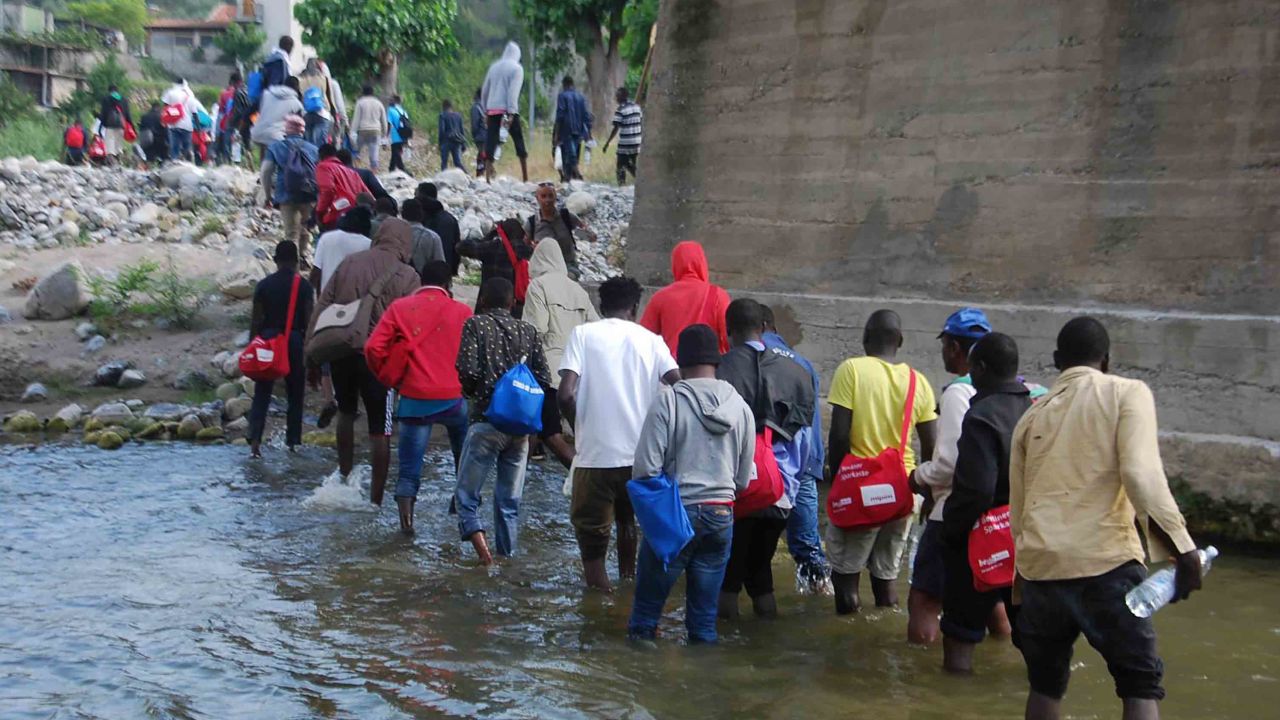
[397, 157]
[296, 388]
[755, 540]
[495, 127]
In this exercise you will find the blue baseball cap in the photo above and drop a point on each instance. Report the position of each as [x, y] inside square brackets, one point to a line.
[966, 323]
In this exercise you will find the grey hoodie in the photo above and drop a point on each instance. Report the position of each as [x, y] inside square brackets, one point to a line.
[501, 90]
[710, 449]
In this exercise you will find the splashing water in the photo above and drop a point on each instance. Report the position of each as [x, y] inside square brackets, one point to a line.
[339, 493]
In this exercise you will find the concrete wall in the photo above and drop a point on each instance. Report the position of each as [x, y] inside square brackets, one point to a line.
[177, 59]
[1035, 158]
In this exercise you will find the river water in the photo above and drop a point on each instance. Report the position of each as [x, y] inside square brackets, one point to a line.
[176, 581]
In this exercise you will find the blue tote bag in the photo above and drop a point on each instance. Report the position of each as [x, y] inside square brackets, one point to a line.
[657, 506]
[516, 406]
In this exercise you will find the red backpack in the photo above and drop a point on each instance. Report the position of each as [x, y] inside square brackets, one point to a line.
[991, 550]
[870, 492]
[268, 360]
[74, 137]
[766, 487]
[521, 266]
[173, 113]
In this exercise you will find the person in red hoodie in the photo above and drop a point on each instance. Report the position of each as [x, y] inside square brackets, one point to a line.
[413, 349]
[337, 186]
[690, 300]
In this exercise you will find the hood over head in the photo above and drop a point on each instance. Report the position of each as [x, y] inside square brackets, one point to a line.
[689, 262]
[281, 92]
[396, 235]
[547, 260]
[511, 52]
[711, 397]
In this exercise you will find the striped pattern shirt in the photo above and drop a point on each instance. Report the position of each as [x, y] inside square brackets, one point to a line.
[628, 120]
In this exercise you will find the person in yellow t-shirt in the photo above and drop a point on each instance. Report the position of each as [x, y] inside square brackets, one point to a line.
[868, 396]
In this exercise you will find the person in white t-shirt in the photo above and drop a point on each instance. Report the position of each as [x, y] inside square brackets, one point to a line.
[610, 374]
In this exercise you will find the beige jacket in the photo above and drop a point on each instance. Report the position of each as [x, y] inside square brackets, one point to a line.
[370, 116]
[555, 304]
[1085, 463]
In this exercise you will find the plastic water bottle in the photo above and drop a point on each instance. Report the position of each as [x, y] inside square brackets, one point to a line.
[1157, 591]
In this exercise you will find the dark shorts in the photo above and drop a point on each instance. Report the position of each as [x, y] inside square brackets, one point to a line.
[353, 383]
[965, 611]
[929, 575]
[599, 498]
[551, 424]
[1056, 612]
[515, 131]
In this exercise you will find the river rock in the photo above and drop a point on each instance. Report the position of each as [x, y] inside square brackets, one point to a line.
[452, 178]
[193, 380]
[147, 214]
[188, 427]
[110, 440]
[67, 232]
[95, 343]
[135, 404]
[59, 295]
[236, 408]
[580, 203]
[242, 339]
[86, 330]
[237, 428]
[35, 392]
[112, 413]
[118, 209]
[69, 415]
[153, 431]
[227, 390]
[23, 421]
[5, 316]
[210, 433]
[168, 412]
[109, 374]
[231, 366]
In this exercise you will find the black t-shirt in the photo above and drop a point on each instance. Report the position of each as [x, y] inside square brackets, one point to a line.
[271, 303]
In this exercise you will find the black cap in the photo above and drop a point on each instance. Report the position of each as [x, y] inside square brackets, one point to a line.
[286, 251]
[698, 345]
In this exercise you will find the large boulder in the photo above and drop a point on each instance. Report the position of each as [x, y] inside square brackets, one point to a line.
[236, 408]
[238, 282]
[23, 421]
[112, 413]
[59, 295]
[580, 203]
[131, 379]
[191, 379]
[146, 214]
[188, 427]
[69, 415]
[108, 375]
[452, 178]
[35, 392]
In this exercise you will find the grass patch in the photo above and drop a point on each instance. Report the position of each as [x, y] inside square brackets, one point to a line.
[212, 224]
[199, 396]
[39, 135]
[146, 289]
[425, 160]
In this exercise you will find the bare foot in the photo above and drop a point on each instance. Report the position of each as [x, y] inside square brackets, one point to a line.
[482, 548]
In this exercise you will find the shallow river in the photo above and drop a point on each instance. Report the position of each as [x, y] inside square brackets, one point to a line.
[180, 581]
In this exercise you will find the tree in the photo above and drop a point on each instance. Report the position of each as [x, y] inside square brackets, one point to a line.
[127, 16]
[595, 29]
[368, 38]
[240, 44]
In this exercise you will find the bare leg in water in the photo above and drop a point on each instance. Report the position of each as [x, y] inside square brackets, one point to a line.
[380, 452]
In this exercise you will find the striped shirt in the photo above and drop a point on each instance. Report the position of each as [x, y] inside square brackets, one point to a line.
[628, 120]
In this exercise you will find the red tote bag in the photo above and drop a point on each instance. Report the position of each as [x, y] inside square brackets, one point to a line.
[268, 360]
[991, 550]
[870, 492]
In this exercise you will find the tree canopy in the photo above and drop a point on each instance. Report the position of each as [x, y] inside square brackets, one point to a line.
[368, 38]
[127, 16]
[240, 44]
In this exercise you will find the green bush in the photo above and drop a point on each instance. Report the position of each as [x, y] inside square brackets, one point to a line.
[15, 103]
[167, 294]
[38, 135]
[176, 298]
[115, 297]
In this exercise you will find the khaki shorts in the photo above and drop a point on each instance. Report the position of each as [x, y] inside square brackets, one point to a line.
[878, 549]
[599, 499]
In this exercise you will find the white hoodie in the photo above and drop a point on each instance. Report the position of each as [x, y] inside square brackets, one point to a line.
[501, 91]
[278, 101]
[181, 93]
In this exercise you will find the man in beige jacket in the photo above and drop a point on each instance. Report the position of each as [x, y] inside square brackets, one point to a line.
[1084, 472]
[370, 125]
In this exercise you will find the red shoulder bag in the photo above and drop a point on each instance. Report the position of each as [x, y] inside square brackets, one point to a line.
[991, 550]
[766, 487]
[521, 266]
[268, 360]
[870, 492]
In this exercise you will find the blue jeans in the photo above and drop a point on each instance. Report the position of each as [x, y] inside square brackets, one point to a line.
[486, 449]
[569, 150]
[179, 144]
[413, 443]
[318, 132]
[451, 150]
[703, 561]
[803, 539]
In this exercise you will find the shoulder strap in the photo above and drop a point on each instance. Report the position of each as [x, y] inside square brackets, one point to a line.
[376, 288]
[566, 218]
[293, 304]
[506, 243]
[908, 410]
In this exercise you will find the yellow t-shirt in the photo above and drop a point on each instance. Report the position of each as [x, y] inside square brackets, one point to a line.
[876, 392]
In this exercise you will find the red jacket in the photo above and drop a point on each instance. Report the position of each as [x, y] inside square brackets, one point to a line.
[420, 369]
[336, 182]
[690, 300]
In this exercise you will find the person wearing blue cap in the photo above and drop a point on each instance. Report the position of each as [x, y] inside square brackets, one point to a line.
[932, 479]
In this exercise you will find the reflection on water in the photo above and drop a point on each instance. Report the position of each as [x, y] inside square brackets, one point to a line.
[182, 581]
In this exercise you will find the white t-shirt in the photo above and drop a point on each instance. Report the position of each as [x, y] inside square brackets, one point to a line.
[332, 248]
[620, 366]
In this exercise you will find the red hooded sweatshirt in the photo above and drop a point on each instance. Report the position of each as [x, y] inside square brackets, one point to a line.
[419, 367]
[690, 300]
[338, 185]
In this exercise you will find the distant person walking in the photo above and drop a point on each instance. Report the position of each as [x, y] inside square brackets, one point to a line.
[153, 135]
[441, 222]
[628, 122]
[226, 122]
[690, 300]
[571, 129]
[75, 141]
[370, 124]
[114, 116]
[1084, 475]
[271, 301]
[179, 115]
[479, 131]
[493, 342]
[451, 136]
[412, 350]
[702, 436]
[399, 129]
[500, 96]
[289, 168]
[278, 102]
[276, 68]
[319, 103]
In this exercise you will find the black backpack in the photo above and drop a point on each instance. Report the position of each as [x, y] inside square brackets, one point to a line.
[406, 128]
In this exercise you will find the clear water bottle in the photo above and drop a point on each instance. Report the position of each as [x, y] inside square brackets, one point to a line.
[1157, 591]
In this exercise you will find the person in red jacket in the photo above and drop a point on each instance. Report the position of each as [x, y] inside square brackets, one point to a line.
[413, 349]
[337, 186]
[690, 300]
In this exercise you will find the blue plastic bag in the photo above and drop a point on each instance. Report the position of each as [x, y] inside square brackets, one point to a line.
[662, 517]
[516, 407]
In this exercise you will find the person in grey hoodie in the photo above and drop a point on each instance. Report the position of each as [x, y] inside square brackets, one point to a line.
[702, 434]
[500, 97]
[278, 102]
